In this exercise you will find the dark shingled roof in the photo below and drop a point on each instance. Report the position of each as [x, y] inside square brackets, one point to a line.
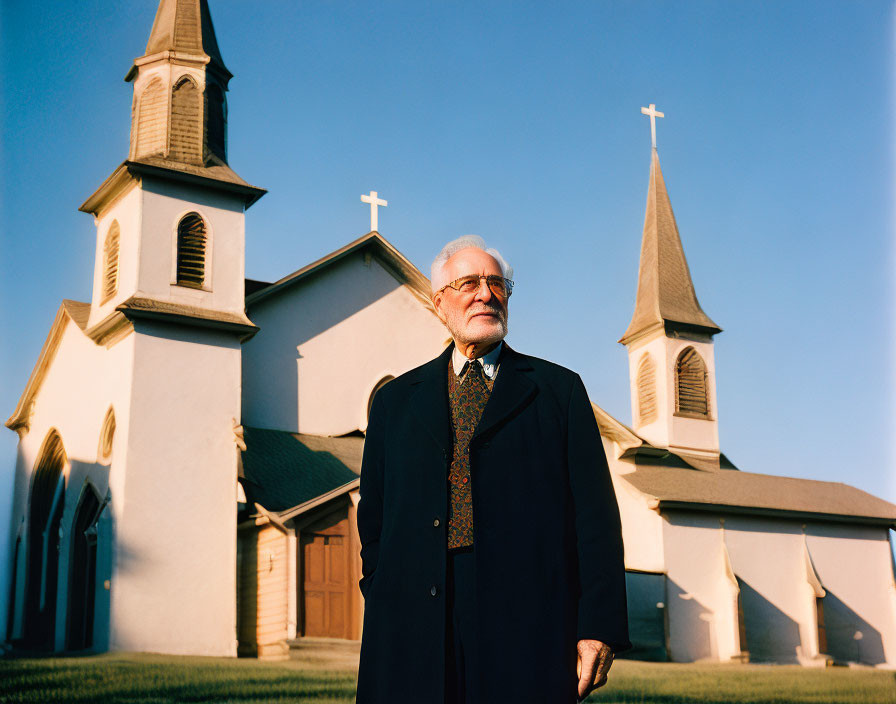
[762, 493]
[282, 470]
[665, 290]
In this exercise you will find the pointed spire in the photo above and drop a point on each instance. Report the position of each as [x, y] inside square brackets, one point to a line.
[666, 295]
[180, 111]
[185, 26]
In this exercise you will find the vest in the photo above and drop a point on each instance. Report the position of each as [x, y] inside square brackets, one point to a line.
[467, 396]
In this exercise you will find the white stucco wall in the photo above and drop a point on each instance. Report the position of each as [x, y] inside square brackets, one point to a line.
[855, 567]
[642, 527]
[695, 570]
[80, 386]
[176, 540]
[327, 341]
[126, 211]
[768, 557]
[163, 206]
[148, 215]
[166, 544]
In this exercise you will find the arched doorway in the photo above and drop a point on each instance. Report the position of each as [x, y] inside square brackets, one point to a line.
[82, 586]
[45, 516]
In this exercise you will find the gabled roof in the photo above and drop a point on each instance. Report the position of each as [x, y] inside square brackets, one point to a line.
[76, 311]
[746, 492]
[282, 470]
[665, 291]
[374, 243]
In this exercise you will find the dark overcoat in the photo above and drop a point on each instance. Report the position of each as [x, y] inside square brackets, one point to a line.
[547, 539]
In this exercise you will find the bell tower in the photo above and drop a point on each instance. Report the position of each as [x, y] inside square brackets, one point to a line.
[170, 219]
[669, 340]
[169, 307]
[179, 111]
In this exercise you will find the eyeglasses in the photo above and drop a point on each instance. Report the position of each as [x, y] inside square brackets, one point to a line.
[498, 285]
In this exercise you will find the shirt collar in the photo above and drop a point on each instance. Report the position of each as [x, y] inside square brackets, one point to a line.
[488, 361]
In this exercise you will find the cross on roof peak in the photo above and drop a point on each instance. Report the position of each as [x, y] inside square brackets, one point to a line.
[653, 113]
[374, 202]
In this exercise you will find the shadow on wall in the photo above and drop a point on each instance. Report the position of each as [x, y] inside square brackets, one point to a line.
[850, 638]
[60, 588]
[690, 626]
[772, 636]
[288, 320]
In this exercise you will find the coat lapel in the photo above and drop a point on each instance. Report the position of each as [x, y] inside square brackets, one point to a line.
[513, 389]
[430, 401]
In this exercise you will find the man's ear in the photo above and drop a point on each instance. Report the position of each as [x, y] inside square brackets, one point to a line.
[437, 305]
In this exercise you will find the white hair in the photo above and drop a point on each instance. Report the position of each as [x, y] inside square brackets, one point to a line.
[454, 246]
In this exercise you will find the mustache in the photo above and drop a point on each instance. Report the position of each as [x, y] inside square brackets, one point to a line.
[494, 310]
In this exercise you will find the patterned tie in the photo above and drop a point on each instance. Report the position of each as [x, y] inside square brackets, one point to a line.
[468, 396]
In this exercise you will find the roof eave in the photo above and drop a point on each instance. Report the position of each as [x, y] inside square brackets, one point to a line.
[877, 521]
[249, 193]
[296, 511]
[160, 311]
[21, 416]
[108, 190]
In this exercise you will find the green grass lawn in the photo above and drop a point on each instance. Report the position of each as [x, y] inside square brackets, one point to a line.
[327, 676]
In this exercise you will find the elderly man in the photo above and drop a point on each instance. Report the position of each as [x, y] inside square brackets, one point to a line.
[490, 537]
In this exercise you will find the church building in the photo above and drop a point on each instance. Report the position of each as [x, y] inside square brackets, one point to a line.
[190, 439]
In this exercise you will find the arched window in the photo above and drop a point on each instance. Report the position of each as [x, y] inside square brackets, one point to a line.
[151, 119]
[690, 384]
[110, 261]
[186, 123]
[646, 390]
[45, 516]
[104, 451]
[82, 575]
[216, 109]
[380, 384]
[191, 247]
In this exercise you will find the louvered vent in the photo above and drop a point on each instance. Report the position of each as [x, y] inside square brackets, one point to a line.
[110, 262]
[691, 396]
[186, 123]
[646, 390]
[152, 118]
[191, 251]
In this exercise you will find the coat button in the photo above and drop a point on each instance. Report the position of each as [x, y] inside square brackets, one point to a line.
[435, 523]
[433, 590]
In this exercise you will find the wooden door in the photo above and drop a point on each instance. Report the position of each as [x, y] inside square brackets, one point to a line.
[325, 588]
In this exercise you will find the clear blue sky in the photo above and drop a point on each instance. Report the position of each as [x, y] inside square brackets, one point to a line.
[521, 122]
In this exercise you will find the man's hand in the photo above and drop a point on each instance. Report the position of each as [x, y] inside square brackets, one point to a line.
[593, 665]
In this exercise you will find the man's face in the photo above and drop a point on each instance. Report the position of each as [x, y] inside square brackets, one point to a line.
[478, 318]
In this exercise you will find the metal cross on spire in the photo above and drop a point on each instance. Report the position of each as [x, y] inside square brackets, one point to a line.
[374, 202]
[652, 111]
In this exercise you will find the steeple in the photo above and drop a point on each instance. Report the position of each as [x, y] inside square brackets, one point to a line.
[666, 298]
[669, 340]
[170, 219]
[179, 110]
[185, 27]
